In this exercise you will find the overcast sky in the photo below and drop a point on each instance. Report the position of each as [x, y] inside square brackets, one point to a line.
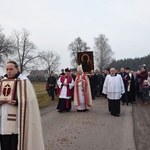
[54, 24]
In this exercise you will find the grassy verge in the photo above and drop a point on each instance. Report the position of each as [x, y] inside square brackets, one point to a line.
[42, 96]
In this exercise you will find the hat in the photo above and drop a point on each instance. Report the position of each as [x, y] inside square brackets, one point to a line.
[79, 68]
[67, 70]
[127, 68]
[108, 69]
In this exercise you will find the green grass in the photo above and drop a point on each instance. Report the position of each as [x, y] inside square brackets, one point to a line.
[42, 95]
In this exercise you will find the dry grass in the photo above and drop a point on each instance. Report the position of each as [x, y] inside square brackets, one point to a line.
[42, 96]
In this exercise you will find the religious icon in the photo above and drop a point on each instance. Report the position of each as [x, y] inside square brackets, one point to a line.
[8, 90]
[86, 59]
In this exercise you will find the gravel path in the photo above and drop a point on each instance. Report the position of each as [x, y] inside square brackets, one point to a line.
[93, 130]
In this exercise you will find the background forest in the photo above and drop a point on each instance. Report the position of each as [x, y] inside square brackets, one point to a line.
[133, 64]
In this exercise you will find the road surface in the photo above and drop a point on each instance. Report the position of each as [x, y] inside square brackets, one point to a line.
[92, 130]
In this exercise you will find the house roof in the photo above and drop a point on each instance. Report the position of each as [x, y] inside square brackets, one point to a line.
[38, 73]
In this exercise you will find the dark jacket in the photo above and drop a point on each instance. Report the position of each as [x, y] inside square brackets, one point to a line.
[125, 76]
[143, 76]
[93, 81]
[51, 82]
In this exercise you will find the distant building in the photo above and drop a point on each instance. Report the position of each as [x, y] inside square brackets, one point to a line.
[38, 75]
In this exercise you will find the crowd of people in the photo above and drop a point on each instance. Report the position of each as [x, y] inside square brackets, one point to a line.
[20, 121]
[83, 88]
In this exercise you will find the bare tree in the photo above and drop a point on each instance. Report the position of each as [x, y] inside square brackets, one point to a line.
[26, 50]
[77, 46]
[50, 60]
[103, 52]
[6, 47]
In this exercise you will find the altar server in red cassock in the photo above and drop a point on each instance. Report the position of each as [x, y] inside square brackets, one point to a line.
[65, 90]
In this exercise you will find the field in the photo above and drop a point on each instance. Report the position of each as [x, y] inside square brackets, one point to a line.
[42, 96]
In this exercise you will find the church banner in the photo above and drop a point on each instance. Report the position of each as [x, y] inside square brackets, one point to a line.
[86, 59]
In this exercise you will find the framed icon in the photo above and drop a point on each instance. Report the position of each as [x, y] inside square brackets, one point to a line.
[86, 59]
[8, 89]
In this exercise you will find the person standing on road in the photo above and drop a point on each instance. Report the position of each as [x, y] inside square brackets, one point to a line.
[126, 78]
[142, 76]
[93, 83]
[114, 88]
[137, 83]
[65, 91]
[131, 90]
[20, 121]
[73, 75]
[148, 79]
[100, 81]
[145, 92]
[62, 73]
[82, 92]
[51, 83]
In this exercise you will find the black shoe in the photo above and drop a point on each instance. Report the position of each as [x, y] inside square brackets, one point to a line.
[116, 115]
[78, 110]
[60, 111]
[122, 103]
[67, 110]
[81, 110]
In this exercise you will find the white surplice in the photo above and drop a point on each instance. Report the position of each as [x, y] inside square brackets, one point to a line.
[113, 87]
[63, 93]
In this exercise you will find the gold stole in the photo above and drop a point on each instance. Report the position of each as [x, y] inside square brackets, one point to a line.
[11, 123]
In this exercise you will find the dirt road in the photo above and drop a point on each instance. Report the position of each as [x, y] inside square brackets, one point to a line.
[141, 119]
[93, 130]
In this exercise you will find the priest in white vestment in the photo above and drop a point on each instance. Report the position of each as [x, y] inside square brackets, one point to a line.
[114, 88]
[20, 121]
[82, 91]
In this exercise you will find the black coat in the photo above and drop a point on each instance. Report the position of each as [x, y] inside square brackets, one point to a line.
[125, 76]
[51, 81]
[93, 80]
